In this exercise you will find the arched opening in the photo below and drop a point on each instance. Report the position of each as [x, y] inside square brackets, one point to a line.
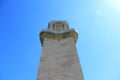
[58, 26]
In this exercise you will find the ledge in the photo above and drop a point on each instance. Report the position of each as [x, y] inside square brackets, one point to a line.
[55, 35]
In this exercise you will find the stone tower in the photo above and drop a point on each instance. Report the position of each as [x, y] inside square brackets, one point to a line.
[59, 59]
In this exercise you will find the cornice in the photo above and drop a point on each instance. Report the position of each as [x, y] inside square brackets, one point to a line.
[58, 35]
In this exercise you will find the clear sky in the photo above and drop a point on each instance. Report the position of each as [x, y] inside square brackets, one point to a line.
[97, 22]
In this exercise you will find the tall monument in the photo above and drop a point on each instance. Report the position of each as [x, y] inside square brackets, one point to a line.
[59, 59]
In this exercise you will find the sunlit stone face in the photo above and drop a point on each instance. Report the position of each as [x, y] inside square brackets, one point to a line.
[59, 59]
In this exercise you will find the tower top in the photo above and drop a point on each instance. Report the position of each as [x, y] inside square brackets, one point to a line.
[58, 30]
[58, 25]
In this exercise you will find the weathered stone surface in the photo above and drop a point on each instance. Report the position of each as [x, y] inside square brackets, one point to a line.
[59, 59]
[59, 62]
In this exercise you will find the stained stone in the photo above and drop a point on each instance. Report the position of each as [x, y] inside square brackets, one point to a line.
[59, 59]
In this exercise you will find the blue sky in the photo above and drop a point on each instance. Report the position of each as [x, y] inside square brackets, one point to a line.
[97, 22]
